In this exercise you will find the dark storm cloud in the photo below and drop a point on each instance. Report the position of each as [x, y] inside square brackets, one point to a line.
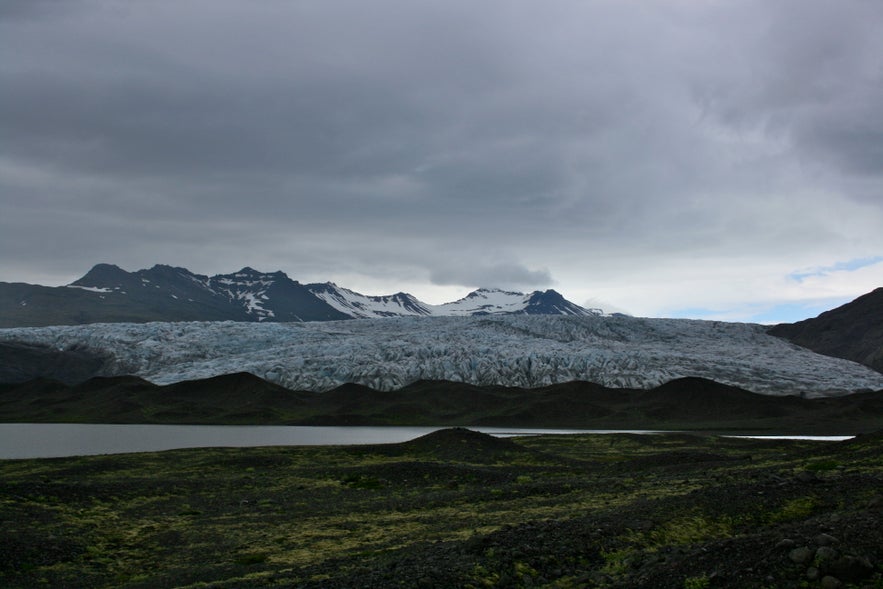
[499, 274]
[817, 81]
[402, 138]
[11, 9]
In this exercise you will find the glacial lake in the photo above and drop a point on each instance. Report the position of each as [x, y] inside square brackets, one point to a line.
[53, 440]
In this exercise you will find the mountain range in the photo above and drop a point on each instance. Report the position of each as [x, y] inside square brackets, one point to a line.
[109, 294]
[247, 319]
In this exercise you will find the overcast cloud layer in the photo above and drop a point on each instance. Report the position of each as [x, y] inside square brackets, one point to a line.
[719, 159]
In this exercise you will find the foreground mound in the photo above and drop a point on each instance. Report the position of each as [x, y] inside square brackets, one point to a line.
[464, 445]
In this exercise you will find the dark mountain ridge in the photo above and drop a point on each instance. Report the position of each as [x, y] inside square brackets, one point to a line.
[242, 398]
[109, 294]
[21, 362]
[853, 331]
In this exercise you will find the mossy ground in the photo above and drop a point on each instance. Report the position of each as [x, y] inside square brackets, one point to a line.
[453, 509]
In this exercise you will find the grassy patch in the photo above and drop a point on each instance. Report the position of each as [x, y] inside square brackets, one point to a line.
[822, 465]
[794, 509]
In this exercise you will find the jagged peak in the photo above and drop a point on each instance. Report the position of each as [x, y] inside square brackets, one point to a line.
[486, 289]
[549, 293]
[103, 267]
[251, 282]
[249, 272]
[168, 269]
[101, 273]
[484, 292]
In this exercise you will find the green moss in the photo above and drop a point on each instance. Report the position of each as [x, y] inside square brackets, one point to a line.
[481, 577]
[794, 509]
[822, 465]
[701, 582]
[616, 562]
[688, 530]
[251, 558]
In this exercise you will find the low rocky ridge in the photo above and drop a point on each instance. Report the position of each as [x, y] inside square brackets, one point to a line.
[689, 403]
[853, 331]
[454, 509]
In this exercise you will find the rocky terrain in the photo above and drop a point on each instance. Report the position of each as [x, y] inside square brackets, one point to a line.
[853, 331]
[454, 509]
[21, 362]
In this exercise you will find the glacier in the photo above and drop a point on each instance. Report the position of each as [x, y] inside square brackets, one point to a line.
[520, 350]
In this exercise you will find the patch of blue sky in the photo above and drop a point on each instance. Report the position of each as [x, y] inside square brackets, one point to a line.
[792, 312]
[764, 314]
[849, 266]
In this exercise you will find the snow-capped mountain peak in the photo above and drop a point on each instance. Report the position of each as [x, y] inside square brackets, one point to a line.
[494, 301]
[248, 288]
[483, 301]
[364, 306]
[109, 294]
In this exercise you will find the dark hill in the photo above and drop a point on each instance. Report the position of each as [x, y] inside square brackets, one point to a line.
[235, 388]
[21, 362]
[229, 399]
[683, 404]
[464, 445]
[853, 331]
[707, 399]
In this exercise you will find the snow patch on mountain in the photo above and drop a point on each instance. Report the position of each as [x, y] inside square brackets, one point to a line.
[511, 350]
[484, 301]
[369, 307]
[248, 288]
[90, 288]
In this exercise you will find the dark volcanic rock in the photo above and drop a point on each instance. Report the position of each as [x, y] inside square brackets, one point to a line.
[853, 331]
[21, 362]
[465, 445]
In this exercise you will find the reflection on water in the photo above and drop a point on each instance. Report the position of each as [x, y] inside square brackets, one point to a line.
[815, 438]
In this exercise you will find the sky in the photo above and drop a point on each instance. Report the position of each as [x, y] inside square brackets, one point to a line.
[711, 159]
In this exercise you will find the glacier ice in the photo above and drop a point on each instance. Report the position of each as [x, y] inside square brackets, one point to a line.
[523, 350]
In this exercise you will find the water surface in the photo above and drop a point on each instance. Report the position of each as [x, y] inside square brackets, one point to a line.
[52, 440]
[47, 440]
